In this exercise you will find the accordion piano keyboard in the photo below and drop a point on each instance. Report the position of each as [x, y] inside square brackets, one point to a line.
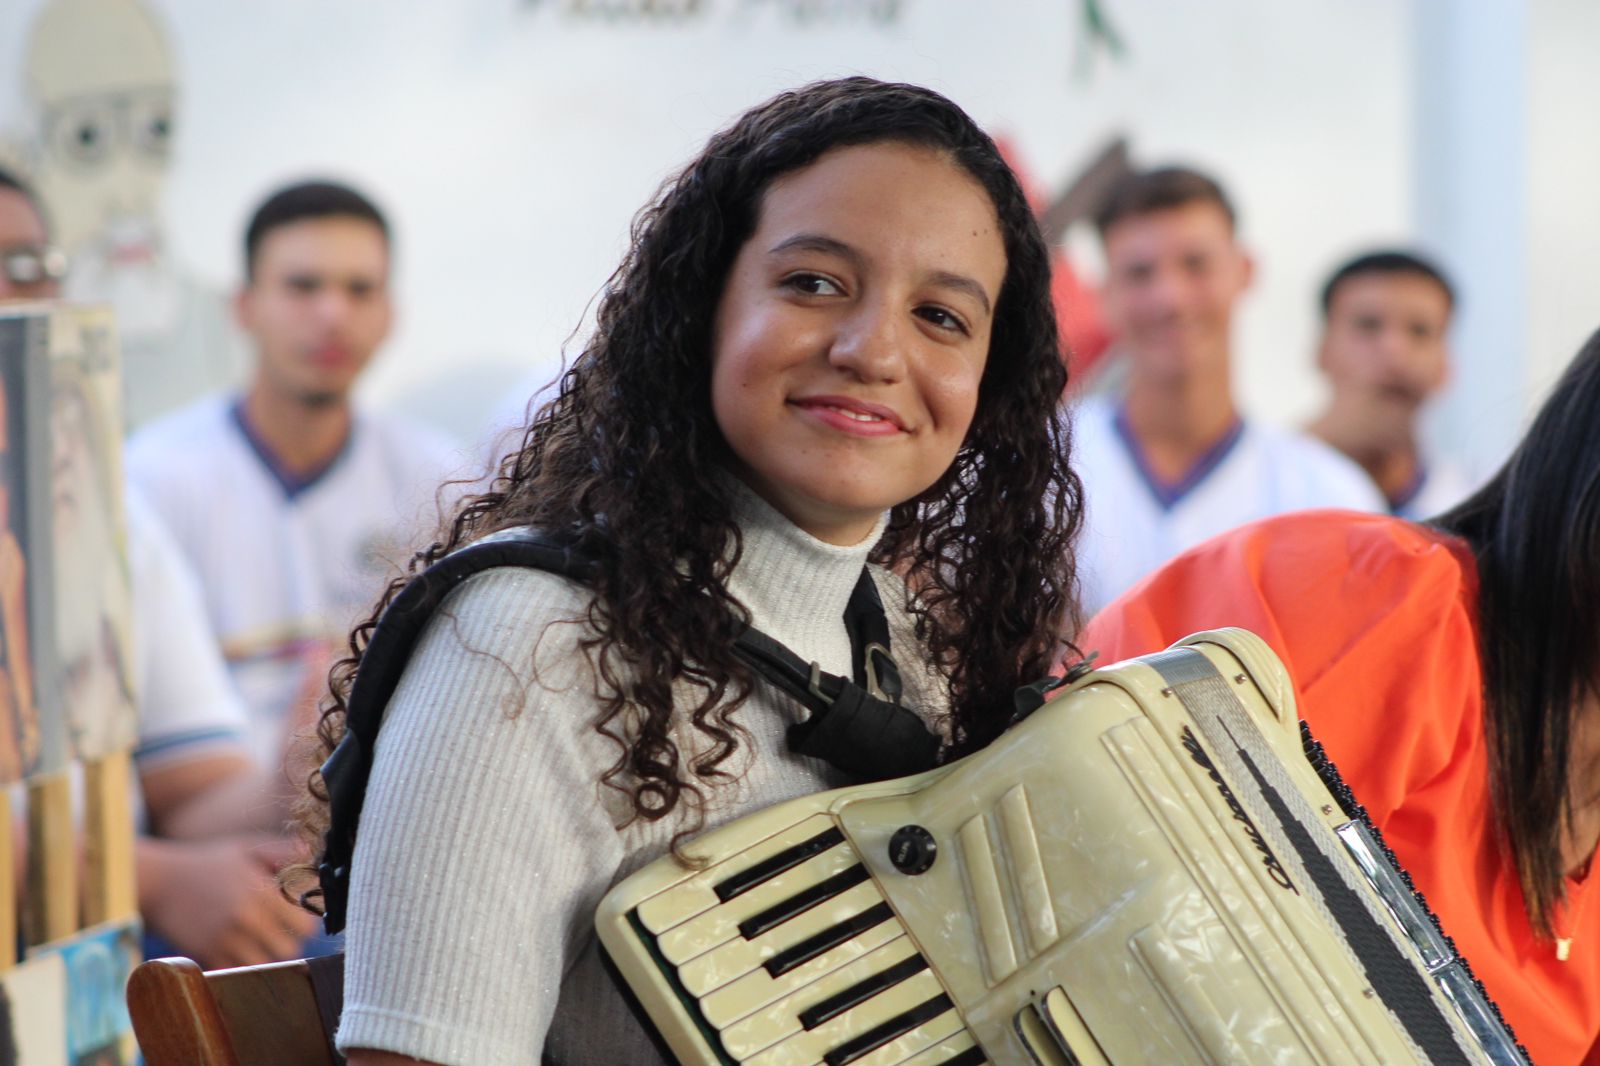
[791, 957]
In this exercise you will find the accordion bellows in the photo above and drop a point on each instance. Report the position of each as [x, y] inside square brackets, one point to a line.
[1146, 870]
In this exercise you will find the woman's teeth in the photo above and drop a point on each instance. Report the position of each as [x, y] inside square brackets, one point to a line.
[859, 416]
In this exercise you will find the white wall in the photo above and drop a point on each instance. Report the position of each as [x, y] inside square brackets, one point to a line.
[1469, 182]
[512, 143]
[1563, 208]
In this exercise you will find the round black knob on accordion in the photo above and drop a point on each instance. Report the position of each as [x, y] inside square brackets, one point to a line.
[912, 849]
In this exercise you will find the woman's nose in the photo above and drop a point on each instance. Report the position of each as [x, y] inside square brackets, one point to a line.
[871, 343]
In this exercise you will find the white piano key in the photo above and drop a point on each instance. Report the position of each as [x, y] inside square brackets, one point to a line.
[756, 989]
[721, 924]
[944, 1050]
[781, 1019]
[924, 1038]
[696, 894]
[738, 956]
[808, 1048]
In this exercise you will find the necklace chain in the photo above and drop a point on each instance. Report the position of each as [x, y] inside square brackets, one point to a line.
[1564, 943]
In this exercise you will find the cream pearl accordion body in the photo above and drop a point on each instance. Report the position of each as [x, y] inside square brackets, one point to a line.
[1147, 869]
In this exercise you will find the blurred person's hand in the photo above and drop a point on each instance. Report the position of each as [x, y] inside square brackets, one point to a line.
[217, 901]
[306, 711]
[299, 750]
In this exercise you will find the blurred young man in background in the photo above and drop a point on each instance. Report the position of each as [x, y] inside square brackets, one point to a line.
[292, 503]
[1385, 353]
[1172, 462]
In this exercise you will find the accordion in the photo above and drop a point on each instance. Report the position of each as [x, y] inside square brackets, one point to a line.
[1154, 867]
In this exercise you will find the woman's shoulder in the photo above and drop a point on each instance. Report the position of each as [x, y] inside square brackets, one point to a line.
[507, 627]
[1337, 546]
[511, 597]
[1348, 601]
[1307, 579]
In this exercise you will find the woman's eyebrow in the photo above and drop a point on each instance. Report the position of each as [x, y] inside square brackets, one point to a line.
[964, 284]
[816, 242]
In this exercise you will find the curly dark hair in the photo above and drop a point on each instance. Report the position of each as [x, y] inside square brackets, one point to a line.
[628, 458]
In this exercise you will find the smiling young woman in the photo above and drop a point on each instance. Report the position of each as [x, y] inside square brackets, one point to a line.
[831, 350]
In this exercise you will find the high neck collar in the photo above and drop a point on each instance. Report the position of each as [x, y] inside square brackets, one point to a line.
[794, 585]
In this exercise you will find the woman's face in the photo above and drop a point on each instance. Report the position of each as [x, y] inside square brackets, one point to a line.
[852, 334]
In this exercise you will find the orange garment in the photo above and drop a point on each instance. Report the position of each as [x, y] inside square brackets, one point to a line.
[1376, 620]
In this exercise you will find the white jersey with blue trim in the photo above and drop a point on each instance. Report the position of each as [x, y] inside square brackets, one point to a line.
[1440, 486]
[187, 703]
[1133, 523]
[287, 567]
[188, 706]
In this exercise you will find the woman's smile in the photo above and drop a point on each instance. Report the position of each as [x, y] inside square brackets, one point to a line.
[856, 417]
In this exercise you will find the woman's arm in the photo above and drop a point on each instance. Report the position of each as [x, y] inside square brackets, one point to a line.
[483, 847]
[362, 1056]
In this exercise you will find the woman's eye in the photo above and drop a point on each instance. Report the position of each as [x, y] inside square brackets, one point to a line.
[813, 285]
[942, 318]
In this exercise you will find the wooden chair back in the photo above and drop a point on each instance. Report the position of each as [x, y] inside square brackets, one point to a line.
[282, 1012]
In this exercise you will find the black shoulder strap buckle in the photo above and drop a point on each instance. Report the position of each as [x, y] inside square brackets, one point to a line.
[858, 725]
[882, 677]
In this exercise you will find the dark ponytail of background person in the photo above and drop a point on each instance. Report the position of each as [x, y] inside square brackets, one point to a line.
[1535, 530]
[629, 458]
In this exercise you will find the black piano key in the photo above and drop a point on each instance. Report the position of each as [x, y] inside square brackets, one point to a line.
[827, 940]
[767, 869]
[802, 901]
[861, 991]
[893, 1029]
[973, 1056]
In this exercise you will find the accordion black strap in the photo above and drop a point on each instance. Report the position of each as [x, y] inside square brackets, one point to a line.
[855, 724]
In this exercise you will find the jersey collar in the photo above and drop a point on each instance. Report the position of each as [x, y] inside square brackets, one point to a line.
[1170, 493]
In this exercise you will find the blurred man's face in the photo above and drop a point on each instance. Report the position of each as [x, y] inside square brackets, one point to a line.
[1172, 279]
[1383, 344]
[22, 239]
[318, 306]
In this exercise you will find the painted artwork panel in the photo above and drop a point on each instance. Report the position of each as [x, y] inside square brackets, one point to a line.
[91, 653]
[31, 743]
[97, 964]
[35, 1014]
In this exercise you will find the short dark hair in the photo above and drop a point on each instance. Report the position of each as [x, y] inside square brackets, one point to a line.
[307, 199]
[1386, 261]
[1148, 191]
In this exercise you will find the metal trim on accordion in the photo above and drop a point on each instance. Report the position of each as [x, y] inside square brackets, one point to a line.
[1146, 869]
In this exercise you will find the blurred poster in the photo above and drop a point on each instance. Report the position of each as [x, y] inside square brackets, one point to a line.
[28, 743]
[91, 654]
[34, 1019]
[95, 966]
[65, 597]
